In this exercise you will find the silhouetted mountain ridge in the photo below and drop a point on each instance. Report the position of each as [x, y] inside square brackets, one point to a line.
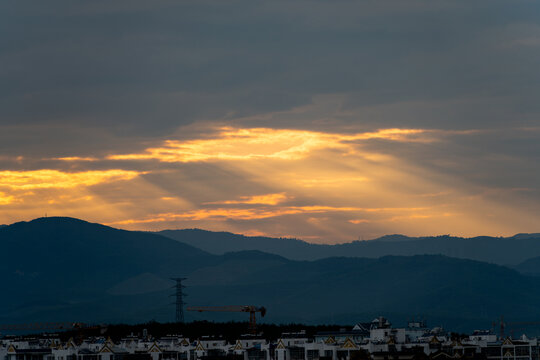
[50, 257]
[392, 238]
[530, 266]
[526, 236]
[61, 269]
[497, 250]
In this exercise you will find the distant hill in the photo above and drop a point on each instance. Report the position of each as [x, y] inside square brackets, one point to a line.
[51, 263]
[529, 266]
[62, 269]
[220, 243]
[394, 238]
[503, 251]
[526, 236]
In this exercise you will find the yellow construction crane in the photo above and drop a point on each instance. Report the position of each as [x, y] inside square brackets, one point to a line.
[252, 310]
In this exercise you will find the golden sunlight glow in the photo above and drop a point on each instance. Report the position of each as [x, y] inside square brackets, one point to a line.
[310, 182]
[6, 199]
[391, 134]
[44, 179]
[321, 186]
[264, 143]
[359, 221]
[76, 158]
[268, 199]
[253, 213]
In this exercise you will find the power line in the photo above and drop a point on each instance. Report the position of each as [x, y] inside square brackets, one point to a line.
[179, 293]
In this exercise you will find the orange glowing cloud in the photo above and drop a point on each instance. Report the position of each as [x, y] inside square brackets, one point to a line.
[75, 158]
[267, 199]
[264, 143]
[220, 214]
[419, 216]
[300, 183]
[6, 199]
[359, 221]
[48, 179]
[328, 181]
[391, 134]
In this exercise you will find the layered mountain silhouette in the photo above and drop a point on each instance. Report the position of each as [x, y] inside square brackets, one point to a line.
[64, 269]
[503, 251]
[530, 266]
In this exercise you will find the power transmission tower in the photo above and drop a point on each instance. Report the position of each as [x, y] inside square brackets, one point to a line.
[179, 293]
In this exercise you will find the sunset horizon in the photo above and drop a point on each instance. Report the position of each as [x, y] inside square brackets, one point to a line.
[256, 234]
[320, 186]
[323, 121]
[270, 180]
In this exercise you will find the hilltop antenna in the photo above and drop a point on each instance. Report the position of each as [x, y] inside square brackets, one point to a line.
[179, 293]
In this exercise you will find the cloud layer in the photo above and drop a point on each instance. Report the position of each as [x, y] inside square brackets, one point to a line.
[329, 121]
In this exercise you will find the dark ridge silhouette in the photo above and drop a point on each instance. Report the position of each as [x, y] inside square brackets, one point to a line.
[222, 242]
[50, 262]
[62, 269]
[230, 331]
[526, 236]
[497, 250]
[530, 266]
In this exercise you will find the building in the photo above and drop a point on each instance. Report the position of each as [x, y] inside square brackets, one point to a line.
[377, 340]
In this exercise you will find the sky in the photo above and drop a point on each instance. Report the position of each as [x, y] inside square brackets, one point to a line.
[328, 121]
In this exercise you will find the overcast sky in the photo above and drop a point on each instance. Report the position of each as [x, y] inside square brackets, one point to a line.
[329, 121]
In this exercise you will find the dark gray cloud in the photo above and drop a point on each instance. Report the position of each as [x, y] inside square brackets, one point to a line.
[90, 79]
[131, 68]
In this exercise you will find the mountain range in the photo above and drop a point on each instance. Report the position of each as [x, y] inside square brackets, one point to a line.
[509, 251]
[65, 269]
